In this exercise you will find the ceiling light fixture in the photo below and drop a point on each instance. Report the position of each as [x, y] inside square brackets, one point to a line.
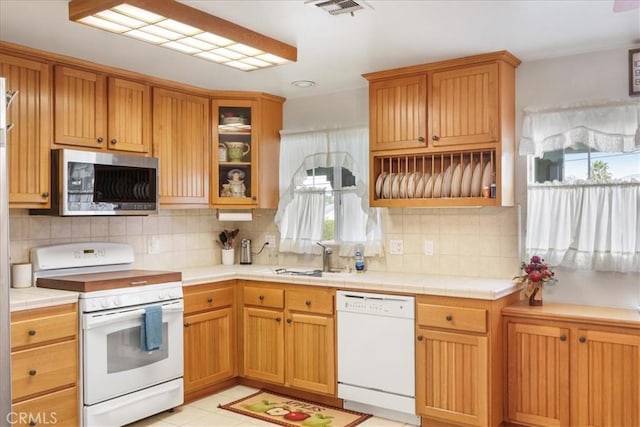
[179, 27]
[303, 83]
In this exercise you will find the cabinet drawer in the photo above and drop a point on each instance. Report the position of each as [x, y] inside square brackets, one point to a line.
[264, 297]
[451, 317]
[310, 301]
[207, 299]
[44, 368]
[39, 326]
[59, 408]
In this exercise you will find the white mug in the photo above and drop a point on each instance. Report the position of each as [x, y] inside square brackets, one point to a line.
[21, 275]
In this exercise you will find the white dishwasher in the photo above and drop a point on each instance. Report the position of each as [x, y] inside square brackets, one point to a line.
[376, 353]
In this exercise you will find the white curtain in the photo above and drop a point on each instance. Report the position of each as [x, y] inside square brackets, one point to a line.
[612, 126]
[302, 151]
[302, 221]
[586, 226]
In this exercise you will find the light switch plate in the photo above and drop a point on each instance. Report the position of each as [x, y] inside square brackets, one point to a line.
[271, 240]
[153, 245]
[396, 247]
[428, 247]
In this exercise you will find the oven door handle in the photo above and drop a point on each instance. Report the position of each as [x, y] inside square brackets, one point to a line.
[95, 321]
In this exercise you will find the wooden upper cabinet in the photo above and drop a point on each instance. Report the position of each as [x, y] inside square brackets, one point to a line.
[29, 139]
[464, 106]
[101, 113]
[129, 119]
[181, 142]
[398, 113]
[80, 108]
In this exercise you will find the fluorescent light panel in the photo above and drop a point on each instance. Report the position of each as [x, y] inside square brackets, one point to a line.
[134, 22]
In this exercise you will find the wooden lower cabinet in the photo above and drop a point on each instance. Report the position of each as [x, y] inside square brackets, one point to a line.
[44, 366]
[459, 360]
[209, 336]
[572, 366]
[278, 317]
[452, 383]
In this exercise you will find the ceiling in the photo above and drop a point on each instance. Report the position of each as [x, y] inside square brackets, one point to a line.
[334, 51]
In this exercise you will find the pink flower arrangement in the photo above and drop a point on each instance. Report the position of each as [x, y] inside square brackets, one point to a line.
[536, 274]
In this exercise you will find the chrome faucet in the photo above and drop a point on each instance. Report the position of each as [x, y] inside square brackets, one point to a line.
[326, 253]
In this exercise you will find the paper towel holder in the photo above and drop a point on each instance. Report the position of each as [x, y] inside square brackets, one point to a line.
[234, 215]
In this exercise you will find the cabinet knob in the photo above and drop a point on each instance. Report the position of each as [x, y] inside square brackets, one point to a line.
[45, 194]
[582, 339]
[563, 338]
[278, 319]
[114, 141]
[308, 303]
[420, 337]
[289, 321]
[209, 300]
[421, 139]
[435, 138]
[33, 423]
[261, 297]
[33, 372]
[100, 139]
[186, 324]
[253, 198]
[449, 318]
[32, 332]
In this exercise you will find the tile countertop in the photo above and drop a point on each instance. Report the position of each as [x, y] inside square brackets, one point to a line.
[28, 298]
[464, 287]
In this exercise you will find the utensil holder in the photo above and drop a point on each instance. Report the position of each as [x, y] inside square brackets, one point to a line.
[228, 256]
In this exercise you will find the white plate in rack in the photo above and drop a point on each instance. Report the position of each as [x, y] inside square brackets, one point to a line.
[395, 185]
[403, 185]
[486, 175]
[412, 184]
[386, 187]
[420, 186]
[428, 188]
[379, 183]
[465, 189]
[446, 182]
[437, 186]
[456, 180]
[476, 180]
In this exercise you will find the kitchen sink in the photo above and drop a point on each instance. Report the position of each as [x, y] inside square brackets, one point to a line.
[311, 273]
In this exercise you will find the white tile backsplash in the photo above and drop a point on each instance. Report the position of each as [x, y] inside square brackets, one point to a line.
[468, 242]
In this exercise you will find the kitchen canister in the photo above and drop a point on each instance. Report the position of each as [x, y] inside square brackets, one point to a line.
[20, 275]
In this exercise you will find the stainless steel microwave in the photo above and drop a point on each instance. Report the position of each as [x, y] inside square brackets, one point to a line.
[91, 183]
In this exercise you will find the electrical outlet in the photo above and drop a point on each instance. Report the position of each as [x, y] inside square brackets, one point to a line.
[271, 240]
[428, 247]
[396, 247]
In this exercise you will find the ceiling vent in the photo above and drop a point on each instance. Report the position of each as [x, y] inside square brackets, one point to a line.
[338, 7]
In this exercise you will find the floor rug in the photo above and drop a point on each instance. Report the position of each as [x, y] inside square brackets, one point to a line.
[292, 412]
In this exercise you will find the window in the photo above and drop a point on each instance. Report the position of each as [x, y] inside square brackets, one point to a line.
[324, 195]
[583, 198]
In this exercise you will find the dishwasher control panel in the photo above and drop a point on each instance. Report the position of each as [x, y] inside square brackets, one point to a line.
[377, 304]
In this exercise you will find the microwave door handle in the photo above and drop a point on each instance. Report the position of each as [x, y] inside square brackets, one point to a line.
[91, 322]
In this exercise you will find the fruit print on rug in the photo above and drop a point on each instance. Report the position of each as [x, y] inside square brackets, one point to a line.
[292, 412]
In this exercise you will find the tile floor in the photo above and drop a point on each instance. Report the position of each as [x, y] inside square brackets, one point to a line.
[205, 413]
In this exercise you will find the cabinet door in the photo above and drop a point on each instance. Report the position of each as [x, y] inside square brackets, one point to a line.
[209, 348]
[464, 106]
[263, 345]
[607, 382]
[29, 140]
[181, 142]
[59, 408]
[80, 108]
[234, 180]
[451, 377]
[398, 113]
[538, 374]
[129, 120]
[311, 352]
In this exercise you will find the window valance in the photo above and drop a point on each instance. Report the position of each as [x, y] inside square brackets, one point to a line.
[603, 126]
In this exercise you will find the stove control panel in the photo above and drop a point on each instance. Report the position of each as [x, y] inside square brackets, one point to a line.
[85, 254]
[129, 297]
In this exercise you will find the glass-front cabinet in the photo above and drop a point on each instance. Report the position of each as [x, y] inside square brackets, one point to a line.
[235, 153]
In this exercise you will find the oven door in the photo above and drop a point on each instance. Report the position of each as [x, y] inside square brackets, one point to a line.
[114, 363]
